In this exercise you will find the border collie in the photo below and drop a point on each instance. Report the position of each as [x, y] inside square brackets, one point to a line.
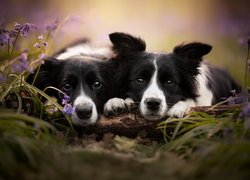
[83, 73]
[166, 84]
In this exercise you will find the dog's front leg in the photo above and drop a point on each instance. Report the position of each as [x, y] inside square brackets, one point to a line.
[181, 108]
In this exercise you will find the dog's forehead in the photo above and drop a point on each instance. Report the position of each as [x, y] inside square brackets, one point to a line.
[165, 58]
[142, 58]
[79, 66]
[150, 60]
[156, 56]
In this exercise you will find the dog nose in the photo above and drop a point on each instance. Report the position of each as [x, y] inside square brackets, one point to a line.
[84, 113]
[153, 104]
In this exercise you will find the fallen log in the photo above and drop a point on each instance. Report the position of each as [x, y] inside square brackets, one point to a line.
[131, 124]
[126, 124]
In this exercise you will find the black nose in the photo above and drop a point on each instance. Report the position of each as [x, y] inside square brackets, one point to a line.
[153, 104]
[84, 113]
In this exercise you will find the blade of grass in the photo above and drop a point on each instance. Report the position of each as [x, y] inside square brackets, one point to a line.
[190, 136]
[50, 99]
[8, 88]
[176, 130]
[23, 117]
[44, 95]
[20, 105]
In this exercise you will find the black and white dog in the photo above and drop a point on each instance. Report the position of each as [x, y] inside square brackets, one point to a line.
[83, 73]
[166, 84]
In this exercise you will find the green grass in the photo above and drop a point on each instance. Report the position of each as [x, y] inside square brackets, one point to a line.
[35, 151]
[37, 142]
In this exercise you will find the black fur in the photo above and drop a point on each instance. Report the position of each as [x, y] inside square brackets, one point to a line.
[221, 84]
[76, 73]
[179, 67]
[177, 71]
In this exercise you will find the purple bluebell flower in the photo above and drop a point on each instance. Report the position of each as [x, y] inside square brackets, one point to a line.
[13, 33]
[246, 110]
[2, 78]
[53, 26]
[65, 100]
[231, 101]
[4, 37]
[41, 59]
[43, 56]
[20, 63]
[15, 29]
[37, 45]
[22, 29]
[66, 97]
[40, 37]
[25, 28]
[238, 98]
[20, 67]
[17, 25]
[45, 44]
[24, 56]
[68, 109]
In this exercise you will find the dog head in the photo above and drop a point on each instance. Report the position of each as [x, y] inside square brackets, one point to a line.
[156, 81]
[84, 79]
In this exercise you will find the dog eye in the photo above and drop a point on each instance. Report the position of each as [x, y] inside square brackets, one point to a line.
[66, 86]
[140, 80]
[97, 84]
[169, 83]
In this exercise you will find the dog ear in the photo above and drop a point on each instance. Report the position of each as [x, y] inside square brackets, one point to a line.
[193, 51]
[124, 43]
[47, 74]
[191, 56]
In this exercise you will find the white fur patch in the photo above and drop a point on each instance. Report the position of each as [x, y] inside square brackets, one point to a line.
[205, 95]
[84, 101]
[181, 108]
[88, 51]
[153, 91]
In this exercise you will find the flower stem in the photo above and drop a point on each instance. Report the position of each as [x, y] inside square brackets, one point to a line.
[8, 47]
[37, 71]
[14, 44]
[246, 69]
[51, 43]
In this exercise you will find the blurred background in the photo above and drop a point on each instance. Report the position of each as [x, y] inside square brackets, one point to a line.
[224, 24]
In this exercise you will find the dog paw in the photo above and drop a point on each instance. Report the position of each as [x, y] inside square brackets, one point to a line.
[129, 102]
[180, 109]
[115, 106]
